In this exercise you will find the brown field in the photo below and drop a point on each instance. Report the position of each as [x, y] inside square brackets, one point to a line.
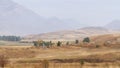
[61, 57]
[82, 55]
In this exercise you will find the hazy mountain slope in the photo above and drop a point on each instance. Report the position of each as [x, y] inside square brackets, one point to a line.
[70, 34]
[114, 25]
[15, 19]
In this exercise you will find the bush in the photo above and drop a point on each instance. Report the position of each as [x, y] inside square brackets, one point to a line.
[76, 41]
[38, 43]
[35, 43]
[50, 43]
[87, 39]
[67, 43]
[97, 46]
[42, 43]
[59, 43]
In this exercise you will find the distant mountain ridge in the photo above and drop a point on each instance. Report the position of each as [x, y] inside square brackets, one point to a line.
[70, 34]
[115, 25]
[18, 20]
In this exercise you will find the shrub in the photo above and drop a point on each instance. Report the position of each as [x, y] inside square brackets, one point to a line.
[59, 43]
[50, 43]
[67, 43]
[35, 43]
[97, 46]
[87, 39]
[76, 41]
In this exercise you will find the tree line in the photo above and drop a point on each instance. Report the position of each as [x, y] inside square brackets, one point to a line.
[59, 43]
[10, 38]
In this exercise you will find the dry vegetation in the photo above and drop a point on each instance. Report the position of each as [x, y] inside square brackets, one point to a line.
[82, 55]
[61, 57]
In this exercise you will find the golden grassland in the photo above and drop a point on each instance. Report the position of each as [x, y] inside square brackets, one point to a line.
[102, 52]
[66, 65]
[61, 57]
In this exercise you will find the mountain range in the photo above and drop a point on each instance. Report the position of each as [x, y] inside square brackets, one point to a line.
[111, 28]
[18, 20]
[70, 35]
[114, 25]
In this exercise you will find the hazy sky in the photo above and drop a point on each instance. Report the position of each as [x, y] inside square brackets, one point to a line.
[91, 12]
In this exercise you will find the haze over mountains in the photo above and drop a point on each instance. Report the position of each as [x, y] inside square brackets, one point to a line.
[16, 19]
[115, 25]
[70, 35]
[111, 28]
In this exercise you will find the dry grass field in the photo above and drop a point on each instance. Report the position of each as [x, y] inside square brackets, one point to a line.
[61, 57]
[82, 55]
